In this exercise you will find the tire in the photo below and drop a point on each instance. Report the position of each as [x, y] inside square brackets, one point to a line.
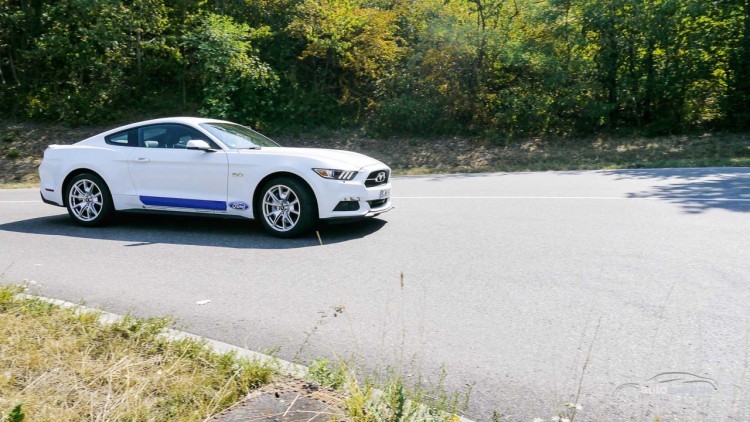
[286, 207]
[88, 200]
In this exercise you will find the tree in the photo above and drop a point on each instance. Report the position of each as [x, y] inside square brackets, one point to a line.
[738, 99]
[222, 57]
[356, 45]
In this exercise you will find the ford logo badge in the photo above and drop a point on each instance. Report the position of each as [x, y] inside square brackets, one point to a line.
[239, 205]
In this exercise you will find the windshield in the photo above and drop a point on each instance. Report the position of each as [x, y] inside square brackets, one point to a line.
[238, 137]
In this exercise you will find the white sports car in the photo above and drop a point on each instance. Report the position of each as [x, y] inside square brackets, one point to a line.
[206, 166]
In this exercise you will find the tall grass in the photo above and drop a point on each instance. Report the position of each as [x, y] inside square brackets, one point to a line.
[389, 396]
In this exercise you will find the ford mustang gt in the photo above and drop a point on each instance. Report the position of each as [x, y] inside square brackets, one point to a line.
[206, 166]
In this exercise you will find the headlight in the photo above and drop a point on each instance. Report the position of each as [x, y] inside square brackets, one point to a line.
[336, 174]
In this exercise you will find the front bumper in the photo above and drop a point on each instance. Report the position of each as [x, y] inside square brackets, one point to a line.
[337, 220]
[367, 201]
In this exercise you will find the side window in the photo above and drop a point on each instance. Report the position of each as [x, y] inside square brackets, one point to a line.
[153, 136]
[171, 136]
[126, 138]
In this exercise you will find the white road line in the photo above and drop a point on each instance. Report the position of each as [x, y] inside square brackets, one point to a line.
[690, 199]
[20, 202]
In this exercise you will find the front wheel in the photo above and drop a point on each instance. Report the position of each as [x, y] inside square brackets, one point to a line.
[286, 207]
[89, 202]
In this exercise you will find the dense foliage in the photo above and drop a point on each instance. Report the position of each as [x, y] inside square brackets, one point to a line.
[505, 67]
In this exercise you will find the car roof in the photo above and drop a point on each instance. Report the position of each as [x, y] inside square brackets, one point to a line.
[187, 120]
[178, 120]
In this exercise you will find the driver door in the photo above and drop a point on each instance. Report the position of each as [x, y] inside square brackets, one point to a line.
[167, 175]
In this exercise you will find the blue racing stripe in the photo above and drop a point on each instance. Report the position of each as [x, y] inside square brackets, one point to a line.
[184, 203]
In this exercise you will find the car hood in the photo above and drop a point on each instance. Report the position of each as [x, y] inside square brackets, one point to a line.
[330, 158]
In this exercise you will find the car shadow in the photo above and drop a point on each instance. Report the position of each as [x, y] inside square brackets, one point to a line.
[694, 190]
[142, 230]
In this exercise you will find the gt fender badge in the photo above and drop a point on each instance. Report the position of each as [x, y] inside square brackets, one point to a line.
[239, 205]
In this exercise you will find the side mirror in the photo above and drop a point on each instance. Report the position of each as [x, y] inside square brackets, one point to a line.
[199, 145]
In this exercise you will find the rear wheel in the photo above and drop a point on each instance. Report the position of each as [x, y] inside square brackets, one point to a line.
[89, 202]
[286, 207]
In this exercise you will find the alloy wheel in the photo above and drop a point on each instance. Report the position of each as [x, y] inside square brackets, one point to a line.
[86, 200]
[281, 208]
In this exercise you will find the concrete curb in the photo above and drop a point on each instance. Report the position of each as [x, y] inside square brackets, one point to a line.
[284, 367]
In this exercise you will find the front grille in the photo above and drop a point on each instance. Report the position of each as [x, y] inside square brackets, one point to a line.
[372, 178]
[377, 203]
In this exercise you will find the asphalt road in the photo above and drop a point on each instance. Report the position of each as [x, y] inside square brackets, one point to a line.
[527, 286]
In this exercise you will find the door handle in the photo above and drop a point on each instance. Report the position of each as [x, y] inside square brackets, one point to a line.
[142, 160]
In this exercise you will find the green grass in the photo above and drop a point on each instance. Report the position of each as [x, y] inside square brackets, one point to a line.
[63, 364]
[389, 396]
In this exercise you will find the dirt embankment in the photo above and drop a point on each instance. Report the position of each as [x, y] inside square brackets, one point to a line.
[29, 140]
[22, 146]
